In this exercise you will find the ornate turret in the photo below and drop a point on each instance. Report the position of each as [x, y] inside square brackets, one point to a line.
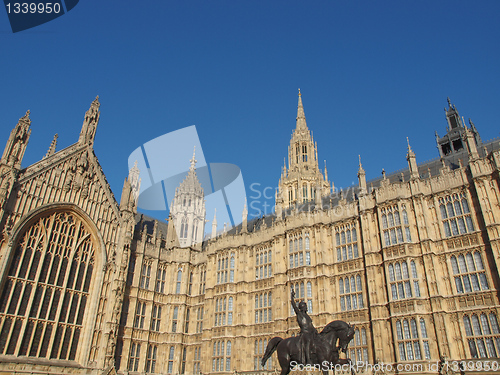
[453, 141]
[471, 144]
[135, 181]
[90, 122]
[16, 145]
[303, 178]
[361, 178]
[412, 161]
[130, 191]
[244, 218]
[52, 148]
[188, 209]
[214, 225]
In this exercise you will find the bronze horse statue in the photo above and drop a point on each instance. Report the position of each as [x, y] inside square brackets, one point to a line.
[326, 353]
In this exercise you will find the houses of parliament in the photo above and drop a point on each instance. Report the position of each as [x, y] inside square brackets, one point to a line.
[90, 286]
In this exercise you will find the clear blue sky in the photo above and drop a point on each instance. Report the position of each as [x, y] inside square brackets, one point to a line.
[371, 74]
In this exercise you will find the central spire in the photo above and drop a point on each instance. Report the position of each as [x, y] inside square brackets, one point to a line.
[302, 181]
[193, 160]
[301, 117]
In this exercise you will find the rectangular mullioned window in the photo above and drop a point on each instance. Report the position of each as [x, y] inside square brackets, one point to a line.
[160, 280]
[347, 242]
[223, 309]
[151, 359]
[469, 273]
[483, 335]
[140, 315]
[259, 349]
[156, 318]
[199, 320]
[395, 225]
[358, 347]
[263, 264]
[145, 276]
[303, 294]
[135, 351]
[413, 342]
[170, 366]
[221, 360]
[351, 293]
[225, 269]
[455, 215]
[174, 319]
[203, 279]
[299, 252]
[403, 283]
[263, 305]
[179, 282]
[197, 359]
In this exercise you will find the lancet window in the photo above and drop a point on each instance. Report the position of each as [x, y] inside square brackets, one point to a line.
[170, 365]
[134, 356]
[151, 359]
[197, 360]
[178, 284]
[145, 275]
[140, 314]
[160, 279]
[174, 319]
[199, 320]
[203, 279]
[156, 318]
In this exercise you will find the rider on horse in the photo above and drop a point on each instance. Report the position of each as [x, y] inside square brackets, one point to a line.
[307, 331]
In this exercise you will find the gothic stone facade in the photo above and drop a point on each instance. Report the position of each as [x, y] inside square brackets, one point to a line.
[88, 286]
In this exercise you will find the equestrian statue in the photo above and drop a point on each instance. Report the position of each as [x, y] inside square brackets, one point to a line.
[310, 347]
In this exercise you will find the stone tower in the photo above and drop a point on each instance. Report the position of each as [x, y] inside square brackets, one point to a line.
[453, 141]
[302, 181]
[187, 212]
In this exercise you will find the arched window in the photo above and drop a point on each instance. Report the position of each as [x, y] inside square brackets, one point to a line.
[171, 360]
[231, 270]
[44, 297]
[346, 240]
[228, 356]
[351, 293]
[469, 273]
[179, 279]
[455, 215]
[411, 341]
[184, 228]
[230, 311]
